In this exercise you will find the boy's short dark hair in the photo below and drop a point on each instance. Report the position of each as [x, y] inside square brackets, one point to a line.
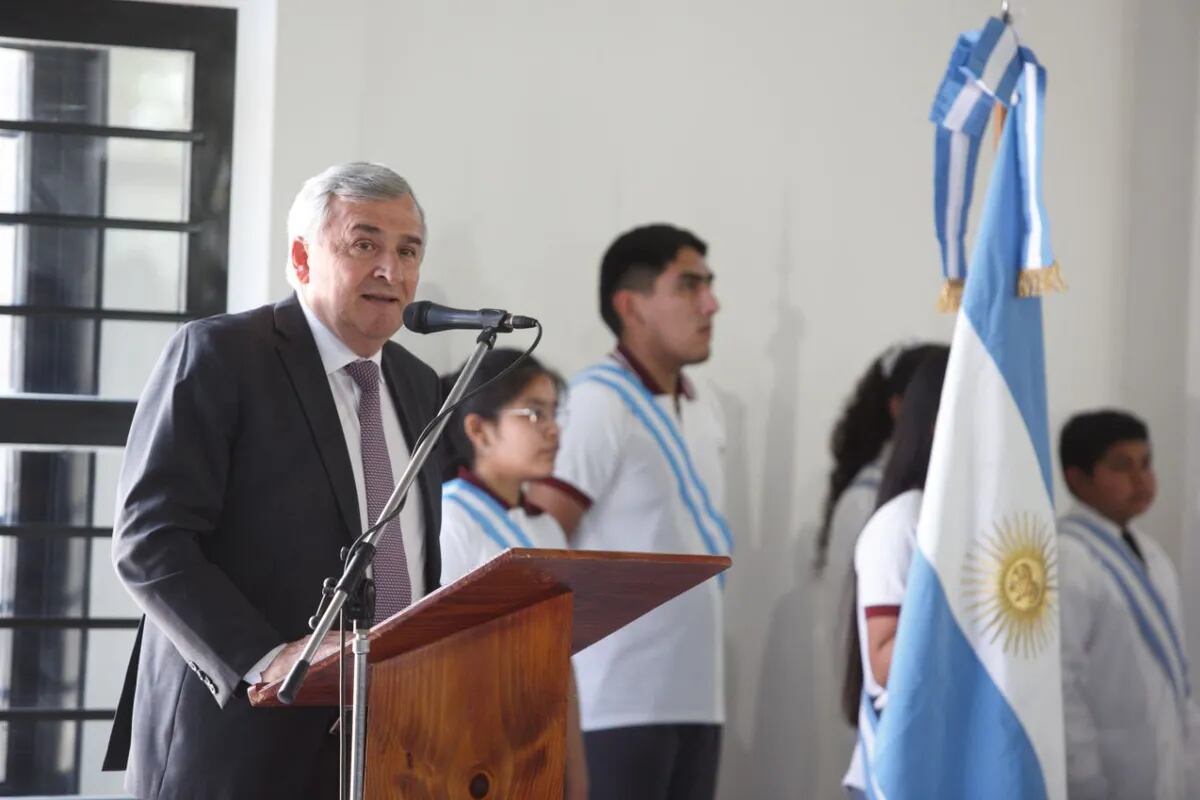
[636, 259]
[1086, 437]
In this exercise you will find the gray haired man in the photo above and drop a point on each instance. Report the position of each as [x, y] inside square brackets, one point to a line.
[262, 444]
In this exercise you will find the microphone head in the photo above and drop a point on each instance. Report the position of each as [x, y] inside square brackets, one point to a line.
[517, 322]
[414, 315]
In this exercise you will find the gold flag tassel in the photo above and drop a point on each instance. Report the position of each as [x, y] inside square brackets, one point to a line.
[1040, 280]
[951, 297]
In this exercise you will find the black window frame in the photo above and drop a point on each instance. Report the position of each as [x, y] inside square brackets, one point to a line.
[210, 34]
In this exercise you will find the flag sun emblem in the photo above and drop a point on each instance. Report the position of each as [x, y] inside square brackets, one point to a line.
[1011, 582]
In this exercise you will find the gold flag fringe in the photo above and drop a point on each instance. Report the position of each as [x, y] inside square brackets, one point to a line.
[1040, 281]
[951, 297]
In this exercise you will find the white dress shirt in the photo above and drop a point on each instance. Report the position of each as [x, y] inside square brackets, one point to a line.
[334, 356]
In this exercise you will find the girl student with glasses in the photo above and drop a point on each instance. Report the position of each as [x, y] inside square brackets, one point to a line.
[496, 443]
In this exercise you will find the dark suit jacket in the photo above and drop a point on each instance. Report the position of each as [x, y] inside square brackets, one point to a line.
[236, 495]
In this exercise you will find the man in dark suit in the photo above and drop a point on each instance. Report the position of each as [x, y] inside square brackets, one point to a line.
[263, 443]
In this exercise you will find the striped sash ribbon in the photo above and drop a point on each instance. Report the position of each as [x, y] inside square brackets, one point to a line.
[1143, 598]
[486, 512]
[710, 526]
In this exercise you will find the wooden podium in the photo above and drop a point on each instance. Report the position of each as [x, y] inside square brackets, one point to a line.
[468, 691]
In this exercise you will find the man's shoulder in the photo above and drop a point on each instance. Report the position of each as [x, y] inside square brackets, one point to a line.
[402, 358]
[236, 329]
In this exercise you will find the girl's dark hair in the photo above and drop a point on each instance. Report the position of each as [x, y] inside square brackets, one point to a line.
[906, 467]
[456, 447]
[864, 428]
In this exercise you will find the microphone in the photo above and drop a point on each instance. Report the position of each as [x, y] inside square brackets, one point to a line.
[426, 317]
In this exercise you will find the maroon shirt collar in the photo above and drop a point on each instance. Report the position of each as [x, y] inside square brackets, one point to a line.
[684, 387]
[473, 479]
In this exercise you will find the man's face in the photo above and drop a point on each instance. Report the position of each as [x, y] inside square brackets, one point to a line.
[1122, 485]
[363, 269]
[677, 313]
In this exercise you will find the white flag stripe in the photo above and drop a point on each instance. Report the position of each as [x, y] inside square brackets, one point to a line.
[979, 474]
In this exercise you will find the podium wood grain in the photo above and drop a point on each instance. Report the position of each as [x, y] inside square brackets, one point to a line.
[481, 714]
[469, 685]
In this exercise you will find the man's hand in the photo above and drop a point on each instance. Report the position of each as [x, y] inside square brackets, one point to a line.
[278, 669]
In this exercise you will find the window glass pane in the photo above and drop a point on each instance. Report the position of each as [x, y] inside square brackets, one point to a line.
[145, 270]
[147, 179]
[41, 758]
[146, 88]
[107, 471]
[47, 485]
[42, 265]
[106, 358]
[139, 270]
[107, 596]
[107, 656]
[92, 781]
[128, 351]
[96, 176]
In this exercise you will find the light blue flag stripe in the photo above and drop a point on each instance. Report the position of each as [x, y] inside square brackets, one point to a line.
[1010, 327]
[995, 60]
[939, 701]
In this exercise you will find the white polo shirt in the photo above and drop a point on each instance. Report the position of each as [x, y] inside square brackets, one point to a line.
[881, 560]
[667, 666]
[477, 526]
[882, 557]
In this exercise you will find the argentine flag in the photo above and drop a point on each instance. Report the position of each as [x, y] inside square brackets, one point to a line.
[975, 688]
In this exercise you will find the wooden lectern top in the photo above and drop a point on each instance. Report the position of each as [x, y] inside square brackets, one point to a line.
[609, 590]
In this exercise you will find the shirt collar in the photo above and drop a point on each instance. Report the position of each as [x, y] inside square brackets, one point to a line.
[473, 479]
[626, 356]
[335, 354]
[1080, 509]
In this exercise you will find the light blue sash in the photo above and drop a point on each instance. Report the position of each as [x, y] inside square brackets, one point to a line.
[1145, 602]
[710, 525]
[486, 512]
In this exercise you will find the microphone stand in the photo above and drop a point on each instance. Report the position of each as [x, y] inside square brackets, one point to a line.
[353, 588]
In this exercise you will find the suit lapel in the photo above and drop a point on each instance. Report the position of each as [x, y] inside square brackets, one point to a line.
[298, 351]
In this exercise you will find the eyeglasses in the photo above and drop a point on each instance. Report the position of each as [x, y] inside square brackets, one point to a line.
[539, 417]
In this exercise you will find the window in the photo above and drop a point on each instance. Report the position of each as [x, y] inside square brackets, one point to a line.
[115, 144]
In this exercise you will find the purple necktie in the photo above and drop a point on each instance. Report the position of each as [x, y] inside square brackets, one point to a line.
[393, 589]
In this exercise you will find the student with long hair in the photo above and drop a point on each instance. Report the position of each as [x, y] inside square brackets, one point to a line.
[883, 555]
[499, 440]
[859, 445]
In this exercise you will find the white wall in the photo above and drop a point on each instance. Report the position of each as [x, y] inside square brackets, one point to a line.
[793, 137]
[1191, 498]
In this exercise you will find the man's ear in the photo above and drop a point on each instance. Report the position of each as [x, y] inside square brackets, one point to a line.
[300, 260]
[1077, 480]
[626, 304]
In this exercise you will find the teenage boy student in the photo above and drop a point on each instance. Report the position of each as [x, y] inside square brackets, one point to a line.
[639, 468]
